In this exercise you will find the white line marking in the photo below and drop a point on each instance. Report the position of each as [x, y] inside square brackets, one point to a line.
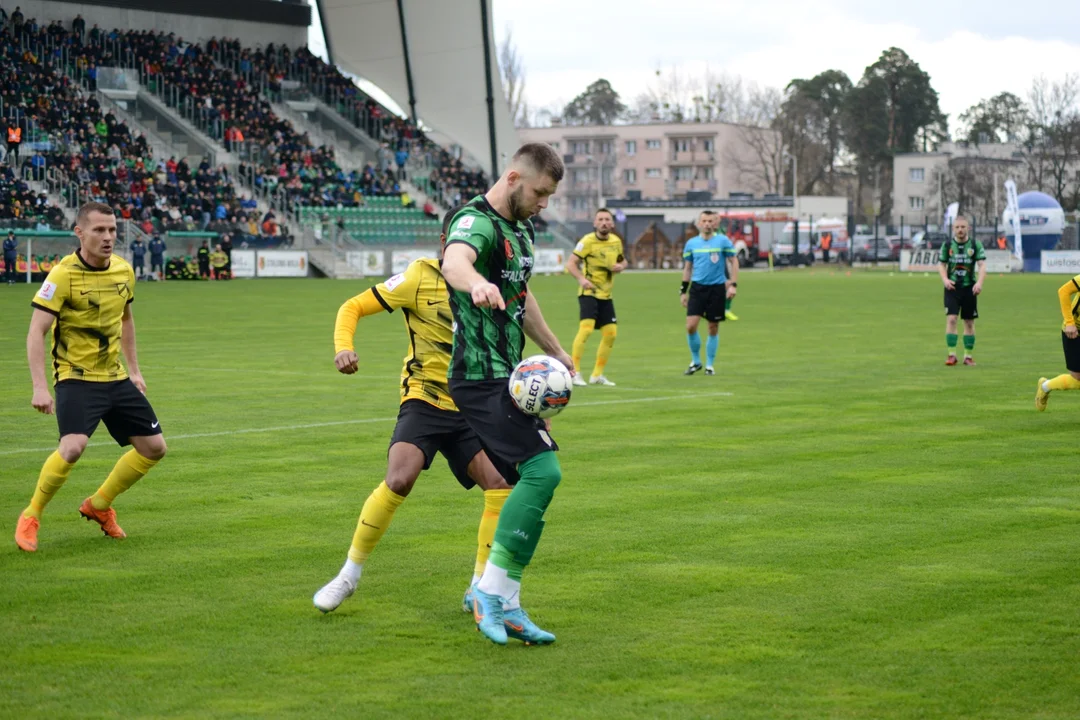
[367, 421]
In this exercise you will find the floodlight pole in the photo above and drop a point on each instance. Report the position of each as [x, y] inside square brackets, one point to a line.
[490, 92]
[408, 63]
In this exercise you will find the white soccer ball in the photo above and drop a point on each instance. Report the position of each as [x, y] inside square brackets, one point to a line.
[540, 386]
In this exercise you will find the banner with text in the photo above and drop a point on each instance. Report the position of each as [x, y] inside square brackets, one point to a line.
[919, 260]
[549, 261]
[1064, 262]
[282, 263]
[400, 259]
[370, 263]
[243, 263]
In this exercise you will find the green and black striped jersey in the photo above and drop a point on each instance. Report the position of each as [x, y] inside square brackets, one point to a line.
[487, 341]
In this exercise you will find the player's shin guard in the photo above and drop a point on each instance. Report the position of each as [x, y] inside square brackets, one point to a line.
[52, 477]
[607, 341]
[521, 519]
[711, 346]
[695, 347]
[374, 519]
[485, 536]
[585, 328]
[128, 470]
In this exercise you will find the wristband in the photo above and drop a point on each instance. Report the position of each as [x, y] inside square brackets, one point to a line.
[683, 288]
[735, 285]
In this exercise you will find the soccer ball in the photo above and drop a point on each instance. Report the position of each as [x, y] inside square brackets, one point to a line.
[540, 386]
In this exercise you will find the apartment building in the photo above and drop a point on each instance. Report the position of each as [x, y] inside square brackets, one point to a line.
[653, 162]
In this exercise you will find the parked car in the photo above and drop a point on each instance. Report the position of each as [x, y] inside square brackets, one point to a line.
[931, 240]
[884, 249]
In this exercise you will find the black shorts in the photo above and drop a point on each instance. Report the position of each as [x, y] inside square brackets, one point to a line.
[602, 311]
[963, 302]
[157, 264]
[1072, 352]
[81, 405]
[434, 430]
[707, 301]
[508, 435]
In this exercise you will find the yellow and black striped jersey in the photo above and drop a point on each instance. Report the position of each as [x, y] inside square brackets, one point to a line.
[597, 258]
[420, 293]
[88, 304]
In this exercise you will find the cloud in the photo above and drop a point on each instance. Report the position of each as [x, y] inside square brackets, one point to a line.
[568, 44]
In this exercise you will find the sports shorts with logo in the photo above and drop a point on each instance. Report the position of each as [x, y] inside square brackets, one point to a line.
[435, 430]
[81, 405]
[508, 435]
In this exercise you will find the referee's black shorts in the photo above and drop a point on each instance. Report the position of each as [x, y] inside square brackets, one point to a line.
[963, 302]
[81, 405]
[707, 301]
[602, 311]
[435, 430]
[508, 435]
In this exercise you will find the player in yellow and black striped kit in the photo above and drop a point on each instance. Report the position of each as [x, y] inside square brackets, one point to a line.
[597, 258]
[428, 420]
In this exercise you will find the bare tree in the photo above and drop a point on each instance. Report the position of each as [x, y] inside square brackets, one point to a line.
[1051, 147]
[760, 161]
[512, 70]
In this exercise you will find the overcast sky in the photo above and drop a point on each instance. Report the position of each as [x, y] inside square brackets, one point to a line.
[971, 51]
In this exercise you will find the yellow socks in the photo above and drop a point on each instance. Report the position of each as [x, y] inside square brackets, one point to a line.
[53, 474]
[607, 340]
[585, 328]
[1063, 382]
[375, 518]
[128, 470]
[493, 502]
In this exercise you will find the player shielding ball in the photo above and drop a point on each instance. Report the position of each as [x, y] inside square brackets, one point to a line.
[596, 259]
[1069, 299]
[487, 264]
[86, 302]
[962, 269]
[428, 421]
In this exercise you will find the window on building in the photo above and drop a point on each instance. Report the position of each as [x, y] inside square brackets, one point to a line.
[707, 144]
[605, 147]
[580, 203]
[916, 202]
[555, 144]
[652, 144]
[917, 175]
[579, 176]
[629, 177]
[631, 147]
[682, 145]
[682, 173]
[579, 147]
[653, 173]
[703, 172]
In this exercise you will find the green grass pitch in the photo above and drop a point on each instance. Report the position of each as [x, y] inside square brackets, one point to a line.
[834, 526]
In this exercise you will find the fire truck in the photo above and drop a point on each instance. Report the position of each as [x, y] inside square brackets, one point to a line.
[754, 233]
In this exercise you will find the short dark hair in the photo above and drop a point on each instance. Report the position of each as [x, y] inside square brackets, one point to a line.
[86, 208]
[543, 158]
[604, 209]
[709, 212]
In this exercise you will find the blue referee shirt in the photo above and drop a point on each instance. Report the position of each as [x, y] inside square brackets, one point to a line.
[709, 258]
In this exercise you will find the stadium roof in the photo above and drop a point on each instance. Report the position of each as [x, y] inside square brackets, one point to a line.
[430, 57]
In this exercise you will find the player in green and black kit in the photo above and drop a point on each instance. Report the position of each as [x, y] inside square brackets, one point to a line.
[487, 263]
[961, 259]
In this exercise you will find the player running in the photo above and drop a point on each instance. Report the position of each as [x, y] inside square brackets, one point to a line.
[596, 259]
[487, 264]
[961, 260]
[709, 261]
[86, 301]
[1069, 298]
[428, 421]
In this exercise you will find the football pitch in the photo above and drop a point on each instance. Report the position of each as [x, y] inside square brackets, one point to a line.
[835, 525]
